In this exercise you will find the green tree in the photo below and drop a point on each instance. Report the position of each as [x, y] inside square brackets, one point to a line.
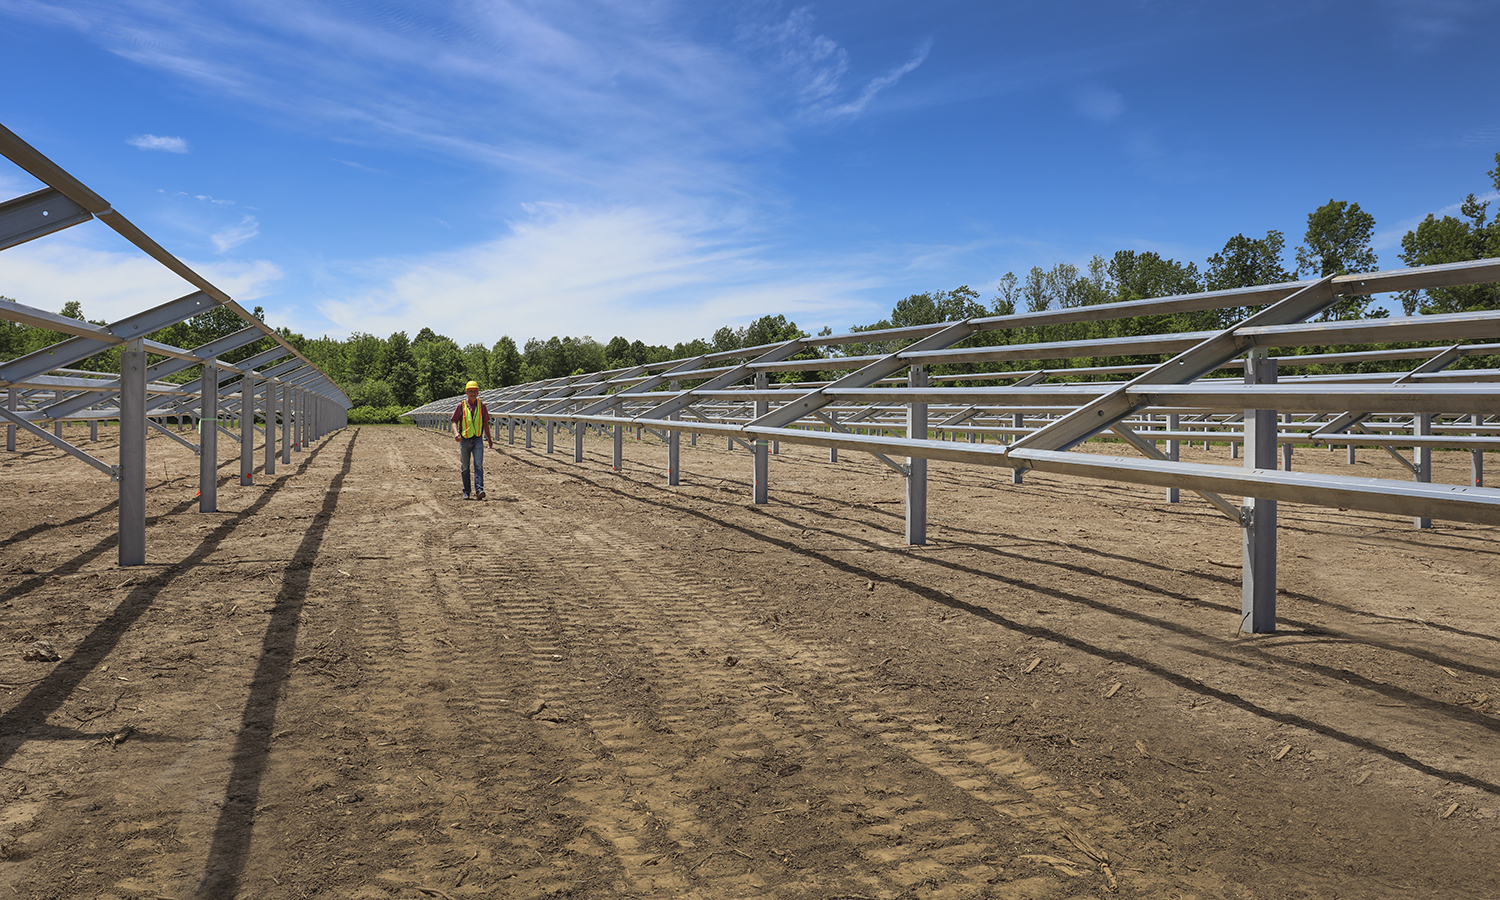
[771, 330]
[505, 363]
[403, 382]
[1244, 262]
[695, 347]
[373, 392]
[617, 354]
[727, 338]
[1097, 286]
[362, 357]
[12, 336]
[441, 369]
[915, 309]
[1338, 243]
[1447, 240]
[1007, 293]
[1034, 291]
[477, 364]
[1146, 274]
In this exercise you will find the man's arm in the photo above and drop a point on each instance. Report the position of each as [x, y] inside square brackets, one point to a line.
[453, 423]
[488, 438]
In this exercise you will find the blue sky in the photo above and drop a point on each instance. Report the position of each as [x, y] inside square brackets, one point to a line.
[659, 168]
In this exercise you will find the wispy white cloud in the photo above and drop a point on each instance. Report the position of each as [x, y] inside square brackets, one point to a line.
[814, 67]
[205, 198]
[1426, 25]
[813, 64]
[85, 264]
[875, 86]
[1099, 104]
[360, 167]
[1388, 240]
[612, 97]
[569, 270]
[244, 231]
[157, 142]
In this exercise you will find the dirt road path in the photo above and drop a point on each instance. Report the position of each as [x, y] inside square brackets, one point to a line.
[349, 683]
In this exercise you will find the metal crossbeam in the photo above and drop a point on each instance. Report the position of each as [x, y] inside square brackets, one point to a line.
[1208, 355]
[38, 214]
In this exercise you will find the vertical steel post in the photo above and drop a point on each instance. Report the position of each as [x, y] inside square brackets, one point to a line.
[761, 463]
[208, 440]
[916, 466]
[94, 430]
[286, 423]
[528, 432]
[833, 452]
[618, 435]
[1258, 516]
[132, 471]
[510, 428]
[11, 397]
[297, 419]
[674, 444]
[1476, 458]
[1173, 453]
[551, 432]
[270, 452]
[247, 429]
[1422, 460]
[1019, 420]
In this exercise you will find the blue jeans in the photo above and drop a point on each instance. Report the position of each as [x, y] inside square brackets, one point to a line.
[472, 448]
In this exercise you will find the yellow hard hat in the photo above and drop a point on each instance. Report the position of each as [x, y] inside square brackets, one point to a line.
[472, 386]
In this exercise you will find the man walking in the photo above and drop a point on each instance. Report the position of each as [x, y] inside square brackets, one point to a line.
[471, 421]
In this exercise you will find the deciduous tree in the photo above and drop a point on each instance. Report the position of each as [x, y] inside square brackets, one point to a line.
[1338, 243]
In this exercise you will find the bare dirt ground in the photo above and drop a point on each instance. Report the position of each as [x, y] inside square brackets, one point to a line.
[350, 683]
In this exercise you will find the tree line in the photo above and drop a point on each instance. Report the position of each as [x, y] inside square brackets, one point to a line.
[391, 374]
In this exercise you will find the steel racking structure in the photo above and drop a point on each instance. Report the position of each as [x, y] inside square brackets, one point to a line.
[1040, 410]
[279, 384]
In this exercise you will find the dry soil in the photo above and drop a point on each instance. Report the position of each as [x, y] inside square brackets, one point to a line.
[348, 682]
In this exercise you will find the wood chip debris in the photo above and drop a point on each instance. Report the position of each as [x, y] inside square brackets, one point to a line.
[1281, 754]
[1065, 866]
[1031, 668]
[1140, 747]
[1113, 689]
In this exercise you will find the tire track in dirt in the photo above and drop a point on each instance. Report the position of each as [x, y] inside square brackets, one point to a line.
[659, 626]
[444, 742]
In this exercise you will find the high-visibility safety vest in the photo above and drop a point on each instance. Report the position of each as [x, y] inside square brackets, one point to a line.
[473, 419]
